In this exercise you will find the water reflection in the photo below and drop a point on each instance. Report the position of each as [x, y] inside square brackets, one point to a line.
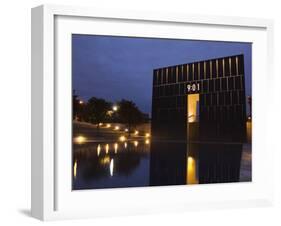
[136, 143]
[168, 163]
[145, 162]
[106, 148]
[108, 165]
[98, 150]
[219, 163]
[192, 176]
[177, 163]
[115, 148]
[75, 169]
[111, 165]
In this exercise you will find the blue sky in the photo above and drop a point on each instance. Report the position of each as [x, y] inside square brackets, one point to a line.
[116, 68]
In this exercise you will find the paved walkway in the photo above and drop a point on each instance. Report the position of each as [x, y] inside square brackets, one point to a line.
[246, 163]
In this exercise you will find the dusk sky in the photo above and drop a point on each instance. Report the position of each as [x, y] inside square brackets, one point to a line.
[116, 68]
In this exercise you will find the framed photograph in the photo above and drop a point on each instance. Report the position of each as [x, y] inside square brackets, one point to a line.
[137, 112]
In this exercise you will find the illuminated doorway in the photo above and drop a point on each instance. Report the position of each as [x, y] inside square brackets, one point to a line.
[193, 117]
[193, 138]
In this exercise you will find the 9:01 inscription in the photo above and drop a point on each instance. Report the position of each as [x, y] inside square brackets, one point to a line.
[193, 87]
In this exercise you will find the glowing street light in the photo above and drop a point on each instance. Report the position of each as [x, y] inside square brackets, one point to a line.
[122, 138]
[81, 102]
[114, 108]
[147, 135]
[80, 139]
[108, 125]
[117, 127]
[136, 132]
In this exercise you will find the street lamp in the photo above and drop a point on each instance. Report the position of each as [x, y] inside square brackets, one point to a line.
[81, 102]
[122, 138]
[114, 108]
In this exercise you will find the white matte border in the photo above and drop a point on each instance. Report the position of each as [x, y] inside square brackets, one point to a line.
[109, 202]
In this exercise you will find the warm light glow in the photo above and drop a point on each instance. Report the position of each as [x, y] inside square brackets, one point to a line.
[100, 124]
[81, 102]
[106, 148]
[249, 130]
[109, 113]
[147, 135]
[105, 160]
[136, 132]
[136, 143]
[190, 160]
[146, 141]
[117, 128]
[114, 108]
[126, 130]
[108, 125]
[193, 107]
[80, 139]
[115, 147]
[75, 169]
[111, 167]
[125, 144]
[191, 171]
[98, 150]
[122, 138]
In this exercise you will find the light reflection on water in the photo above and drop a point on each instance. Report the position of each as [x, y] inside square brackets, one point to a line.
[136, 163]
[107, 165]
[192, 170]
[111, 165]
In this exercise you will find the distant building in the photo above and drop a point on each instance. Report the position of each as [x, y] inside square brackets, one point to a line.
[203, 106]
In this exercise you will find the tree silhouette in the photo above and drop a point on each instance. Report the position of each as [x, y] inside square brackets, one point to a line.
[78, 108]
[129, 114]
[75, 104]
[97, 110]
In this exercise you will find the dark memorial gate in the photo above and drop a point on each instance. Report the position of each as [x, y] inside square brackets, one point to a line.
[198, 112]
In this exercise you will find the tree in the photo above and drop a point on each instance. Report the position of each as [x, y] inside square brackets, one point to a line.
[78, 108]
[129, 114]
[75, 105]
[97, 109]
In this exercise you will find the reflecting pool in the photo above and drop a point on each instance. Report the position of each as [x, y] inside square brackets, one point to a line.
[144, 162]
[108, 165]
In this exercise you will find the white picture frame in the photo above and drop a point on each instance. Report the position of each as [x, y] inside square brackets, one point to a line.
[52, 197]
